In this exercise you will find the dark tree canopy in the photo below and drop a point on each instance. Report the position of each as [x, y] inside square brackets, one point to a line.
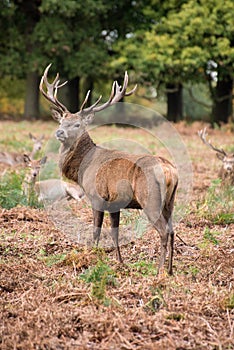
[162, 43]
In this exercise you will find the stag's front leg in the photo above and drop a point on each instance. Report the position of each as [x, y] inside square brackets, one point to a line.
[114, 218]
[97, 225]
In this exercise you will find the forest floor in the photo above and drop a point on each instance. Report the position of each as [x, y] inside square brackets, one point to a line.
[60, 294]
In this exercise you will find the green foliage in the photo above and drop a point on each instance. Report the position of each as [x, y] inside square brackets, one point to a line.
[229, 304]
[161, 42]
[144, 268]
[99, 276]
[210, 236]
[51, 259]
[11, 192]
[218, 204]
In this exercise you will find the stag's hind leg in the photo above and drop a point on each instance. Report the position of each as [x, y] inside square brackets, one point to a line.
[162, 228]
[160, 224]
[171, 246]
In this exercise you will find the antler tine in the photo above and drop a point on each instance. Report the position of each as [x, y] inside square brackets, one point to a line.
[108, 103]
[131, 91]
[202, 133]
[85, 100]
[121, 93]
[117, 92]
[90, 108]
[52, 89]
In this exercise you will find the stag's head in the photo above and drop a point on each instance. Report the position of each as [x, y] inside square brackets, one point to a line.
[228, 162]
[227, 159]
[73, 125]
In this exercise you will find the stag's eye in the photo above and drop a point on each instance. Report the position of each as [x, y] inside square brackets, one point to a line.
[77, 125]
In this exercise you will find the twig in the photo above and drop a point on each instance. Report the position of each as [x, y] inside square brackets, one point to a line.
[181, 240]
[67, 297]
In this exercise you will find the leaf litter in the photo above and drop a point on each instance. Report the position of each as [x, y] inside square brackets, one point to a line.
[46, 305]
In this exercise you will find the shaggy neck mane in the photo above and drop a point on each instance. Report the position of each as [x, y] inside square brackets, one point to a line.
[70, 164]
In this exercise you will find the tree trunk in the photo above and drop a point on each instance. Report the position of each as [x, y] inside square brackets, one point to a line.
[222, 107]
[69, 95]
[174, 102]
[31, 106]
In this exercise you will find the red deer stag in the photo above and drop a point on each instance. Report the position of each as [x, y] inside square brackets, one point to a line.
[112, 179]
[226, 172]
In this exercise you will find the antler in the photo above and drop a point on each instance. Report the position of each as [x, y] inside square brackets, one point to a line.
[202, 134]
[117, 93]
[52, 89]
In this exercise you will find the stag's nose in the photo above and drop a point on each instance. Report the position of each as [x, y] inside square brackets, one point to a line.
[59, 133]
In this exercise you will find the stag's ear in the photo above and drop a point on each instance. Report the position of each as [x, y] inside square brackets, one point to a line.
[27, 159]
[220, 156]
[56, 114]
[88, 118]
[43, 160]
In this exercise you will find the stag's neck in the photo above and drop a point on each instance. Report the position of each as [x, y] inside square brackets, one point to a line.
[74, 159]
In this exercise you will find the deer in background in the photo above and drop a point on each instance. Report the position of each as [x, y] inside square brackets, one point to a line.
[50, 190]
[112, 179]
[226, 172]
[14, 158]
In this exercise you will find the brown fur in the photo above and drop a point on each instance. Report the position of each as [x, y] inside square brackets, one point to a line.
[113, 180]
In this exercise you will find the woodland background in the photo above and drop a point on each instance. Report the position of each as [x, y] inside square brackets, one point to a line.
[179, 52]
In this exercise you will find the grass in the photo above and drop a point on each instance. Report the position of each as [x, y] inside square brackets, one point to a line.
[12, 194]
[144, 268]
[218, 203]
[211, 236]
[51, 259]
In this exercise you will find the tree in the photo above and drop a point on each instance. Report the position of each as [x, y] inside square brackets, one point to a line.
[178, 46]
[66, 33]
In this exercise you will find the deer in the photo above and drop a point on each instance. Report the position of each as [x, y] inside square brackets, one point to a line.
[13, 158]
[113, 179]
[226, 172]
[49, 190]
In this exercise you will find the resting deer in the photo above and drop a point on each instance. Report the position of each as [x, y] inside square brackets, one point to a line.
[14, 158]
[226, 172]
[50, 190]
[112, 179]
